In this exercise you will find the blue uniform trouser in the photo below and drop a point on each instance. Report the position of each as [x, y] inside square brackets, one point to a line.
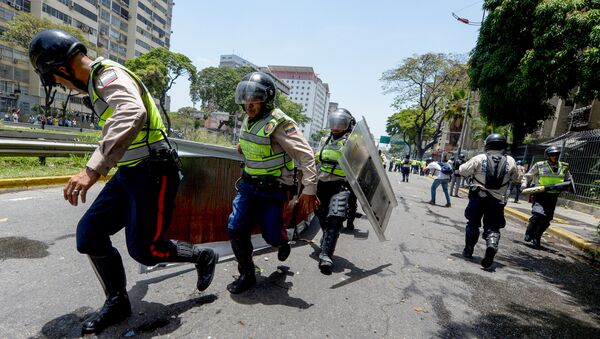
[139, 199]
[484, 206]
[254, 206]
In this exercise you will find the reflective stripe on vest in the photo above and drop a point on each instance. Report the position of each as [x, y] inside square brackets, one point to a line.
[255, 141]
[139, 147]
[329, 155]
[547, 176]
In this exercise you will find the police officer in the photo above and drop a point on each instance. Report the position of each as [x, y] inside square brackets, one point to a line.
[391, 164]
[544, 173]
[405, 168]
[140, 195]
[456, 178]
[491, 172]
[517, 187]
[270, 142]
[338, 201]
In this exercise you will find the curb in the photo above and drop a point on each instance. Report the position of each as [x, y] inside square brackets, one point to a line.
[27, 183]
[572, 238]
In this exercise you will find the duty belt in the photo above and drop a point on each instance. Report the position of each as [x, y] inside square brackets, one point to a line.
[265, 182]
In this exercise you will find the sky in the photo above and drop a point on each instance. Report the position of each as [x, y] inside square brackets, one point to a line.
[349, 43]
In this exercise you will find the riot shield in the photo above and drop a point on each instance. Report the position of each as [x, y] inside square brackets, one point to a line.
[366, 175]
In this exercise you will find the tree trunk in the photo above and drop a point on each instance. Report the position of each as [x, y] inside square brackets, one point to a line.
[518, 137]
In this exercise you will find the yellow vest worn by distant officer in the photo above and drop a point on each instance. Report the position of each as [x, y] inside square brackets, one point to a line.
[548, 177]
[329, 155]
[255, 140]
[138, 149]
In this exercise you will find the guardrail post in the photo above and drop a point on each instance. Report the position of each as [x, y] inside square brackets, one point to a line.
[42, 161]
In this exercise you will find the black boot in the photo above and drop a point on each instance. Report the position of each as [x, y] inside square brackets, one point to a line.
[284, 252]
[491, 239]
[205, 260]
[328, 242]
[529, 233]
[242, 248]
[471, 237]
[116, 308]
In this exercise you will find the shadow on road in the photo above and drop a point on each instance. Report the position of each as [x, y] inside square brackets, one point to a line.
[148, 318]
[522, 322]
[528, 309]
[272, 290]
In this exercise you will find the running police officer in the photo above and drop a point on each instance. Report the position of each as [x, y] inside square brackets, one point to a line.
[491, 172]
[337, 200]
[544, 173]
[270, 142]
[405, 168]
[140, 195]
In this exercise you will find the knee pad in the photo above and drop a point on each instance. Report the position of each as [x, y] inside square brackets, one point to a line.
[338, 206]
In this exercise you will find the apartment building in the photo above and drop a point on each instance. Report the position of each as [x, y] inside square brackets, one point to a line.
[120, 29]
[307, 89]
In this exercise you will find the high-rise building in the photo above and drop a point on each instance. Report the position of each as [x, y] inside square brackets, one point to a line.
[236, 61]
[307, 89]
[120, 29]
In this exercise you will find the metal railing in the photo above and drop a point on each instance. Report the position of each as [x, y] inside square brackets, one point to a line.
[40, 148]
[581, 150]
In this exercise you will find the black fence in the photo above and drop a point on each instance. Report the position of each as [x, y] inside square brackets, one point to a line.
[582, 151]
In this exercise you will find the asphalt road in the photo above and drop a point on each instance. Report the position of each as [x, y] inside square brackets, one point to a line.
[414, 285]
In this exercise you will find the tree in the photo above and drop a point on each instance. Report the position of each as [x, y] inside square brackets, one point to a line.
[318, 135]
[291, 109]
[424, 83]
[215, 87]
[158, 70]
[529, 51]
[24, 27]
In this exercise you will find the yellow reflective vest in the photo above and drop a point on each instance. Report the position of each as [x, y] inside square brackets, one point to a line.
[330, 153]
[548, 177]
[255, 140]
[150, 137]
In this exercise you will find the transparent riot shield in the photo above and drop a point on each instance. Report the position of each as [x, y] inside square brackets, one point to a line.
[366, 175]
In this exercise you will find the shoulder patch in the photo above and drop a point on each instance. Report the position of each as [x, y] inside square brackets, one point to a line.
[277, 114]
[106, 78]
[290, 129]
[269, 127]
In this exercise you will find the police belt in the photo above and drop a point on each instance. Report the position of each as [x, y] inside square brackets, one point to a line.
[267, 182]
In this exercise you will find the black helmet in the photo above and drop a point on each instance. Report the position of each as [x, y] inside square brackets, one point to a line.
[461, 156]
[51, 49]
[341, 118]
[519, 162]
[552, 150]
[256, 85]
[496, 142]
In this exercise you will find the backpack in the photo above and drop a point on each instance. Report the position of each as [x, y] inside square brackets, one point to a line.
[446, 168]
[495, 172]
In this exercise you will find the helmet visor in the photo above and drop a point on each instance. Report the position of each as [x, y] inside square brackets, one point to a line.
[250, 92]
[338, 121]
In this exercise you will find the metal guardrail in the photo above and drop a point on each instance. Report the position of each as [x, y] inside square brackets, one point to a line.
[42, 148]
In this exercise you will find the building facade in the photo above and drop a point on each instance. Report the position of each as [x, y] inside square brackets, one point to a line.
[120, 29]
[307, 89]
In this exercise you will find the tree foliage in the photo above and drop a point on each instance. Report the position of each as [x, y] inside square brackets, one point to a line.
[24, 26]
[423, 87]
[159, 69]
[215, 88]
[529, 51]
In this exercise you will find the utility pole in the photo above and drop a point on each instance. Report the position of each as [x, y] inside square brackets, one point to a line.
[463, 131]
